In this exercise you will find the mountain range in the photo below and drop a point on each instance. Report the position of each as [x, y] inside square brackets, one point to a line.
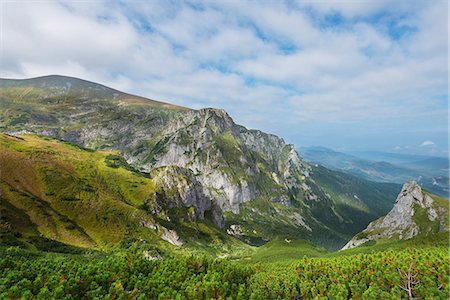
[90, 166]
[430, 172]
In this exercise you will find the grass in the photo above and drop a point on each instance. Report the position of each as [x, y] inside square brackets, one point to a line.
[90, 199]
[422, 242]
[25, 91]
[285, 251]
[282, 250]
[51, 181]
[426, 226]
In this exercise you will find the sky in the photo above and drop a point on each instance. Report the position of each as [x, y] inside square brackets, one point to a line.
[349, 75]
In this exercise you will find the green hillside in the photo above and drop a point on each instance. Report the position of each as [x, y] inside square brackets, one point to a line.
[52, 190]
[30, 94]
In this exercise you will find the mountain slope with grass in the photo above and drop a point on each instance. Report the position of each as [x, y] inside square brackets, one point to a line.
[250, 184]
[52, 191]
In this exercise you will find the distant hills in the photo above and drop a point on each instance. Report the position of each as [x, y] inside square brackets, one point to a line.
[430, 172]
[434, 165]
[63, 89]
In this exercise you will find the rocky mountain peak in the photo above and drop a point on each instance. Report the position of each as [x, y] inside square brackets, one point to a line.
[227, 160]
[410, 189]
[415, 212]
[216, 119]
[400, 217]
[217, 112]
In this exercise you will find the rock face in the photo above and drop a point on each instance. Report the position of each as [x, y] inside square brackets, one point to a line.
[414, 213]
[172, 237]
[226, 160]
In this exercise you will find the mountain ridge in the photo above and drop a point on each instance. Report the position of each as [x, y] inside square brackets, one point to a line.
[201, 159]
[69, 81]
[430, 172]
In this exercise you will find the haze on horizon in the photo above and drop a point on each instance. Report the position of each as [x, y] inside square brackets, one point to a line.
[345, 75]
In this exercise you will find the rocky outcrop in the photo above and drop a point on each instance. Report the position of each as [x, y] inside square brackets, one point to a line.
[225, 161]
[171, 236]
[411, 215]
[148, 255]
[179, 187]
[235, 230]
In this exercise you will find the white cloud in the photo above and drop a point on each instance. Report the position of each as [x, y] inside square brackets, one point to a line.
[428, 143]
[273, 65]
[360, 9]
[48, 33]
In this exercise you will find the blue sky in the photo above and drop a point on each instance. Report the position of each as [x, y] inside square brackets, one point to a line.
[350, 75]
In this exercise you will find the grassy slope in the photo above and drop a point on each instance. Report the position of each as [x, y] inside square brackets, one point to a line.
[369, 198]
[70, 194]
[45, 104]
[38, 89]
[440, 240]
[87, 199]
[282, 250]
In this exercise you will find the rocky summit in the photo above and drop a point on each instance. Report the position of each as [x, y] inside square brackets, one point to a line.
[415, 213]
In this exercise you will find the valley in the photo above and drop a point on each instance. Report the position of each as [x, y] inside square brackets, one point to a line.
[431, 172]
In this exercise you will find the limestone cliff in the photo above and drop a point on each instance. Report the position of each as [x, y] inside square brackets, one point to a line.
[415, 212]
